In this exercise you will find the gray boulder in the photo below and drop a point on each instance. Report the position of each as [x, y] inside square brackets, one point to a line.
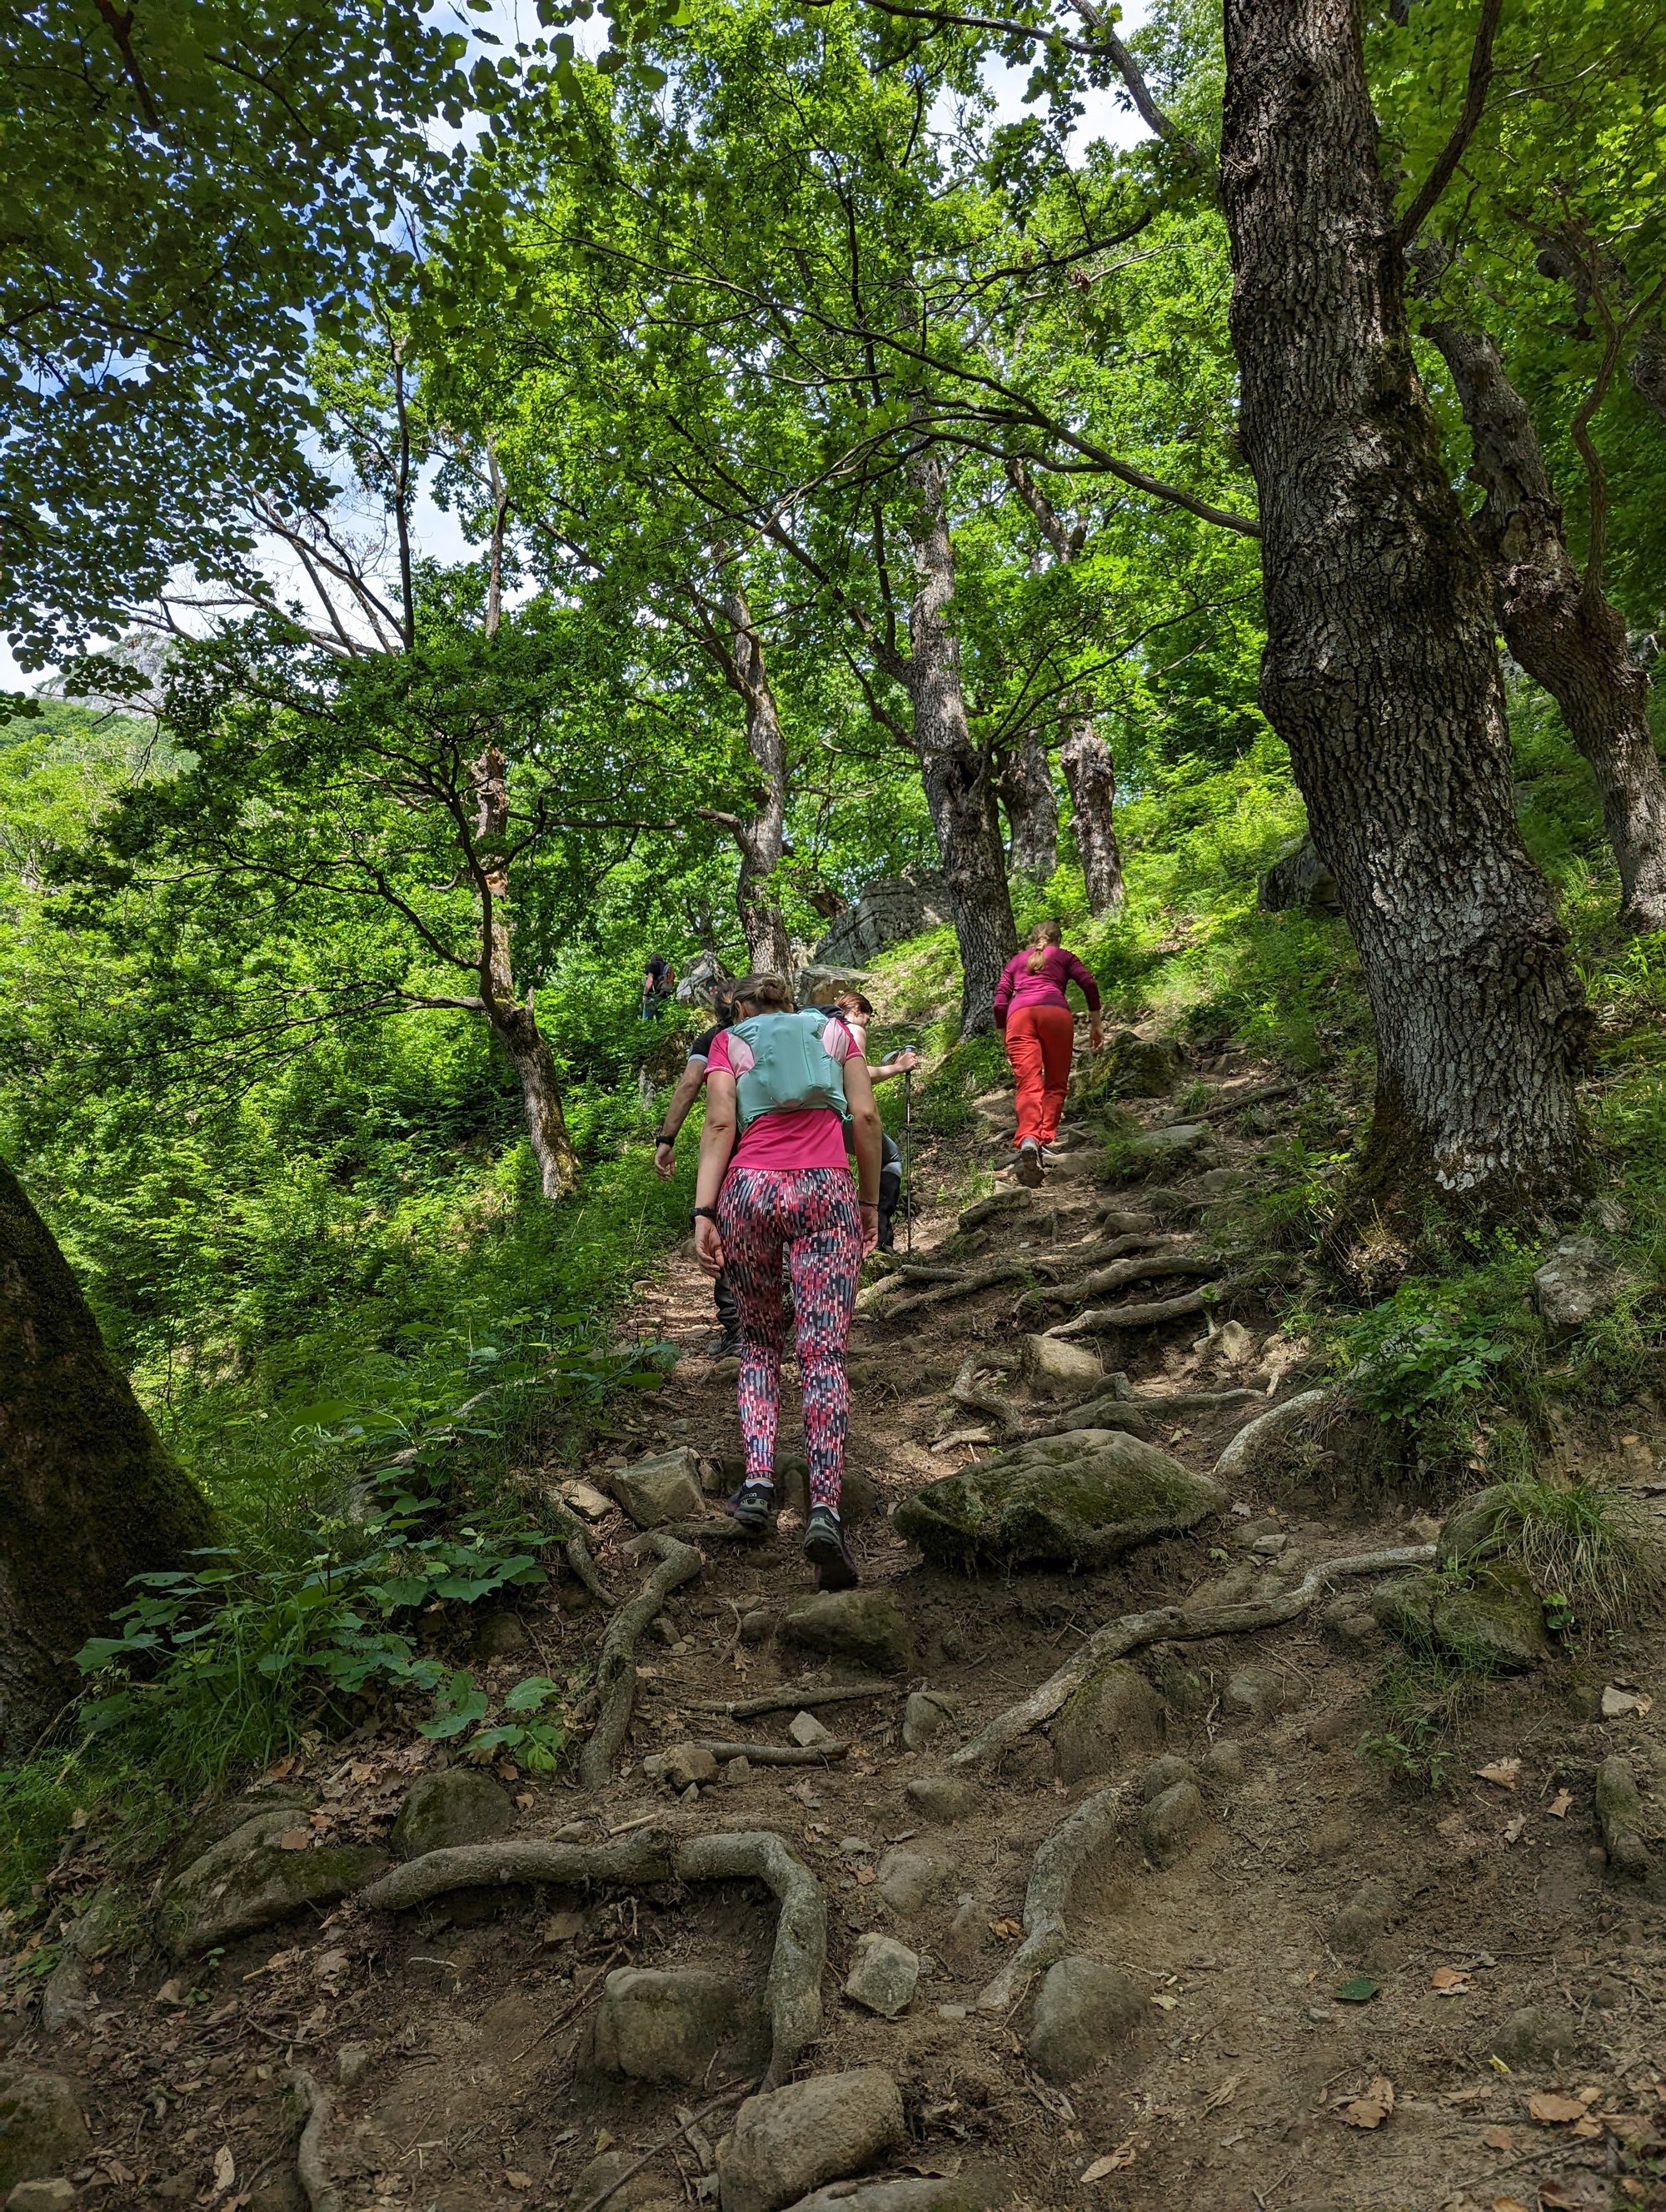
[1474, 1528]
[1580, 1280]
[1112, 1718]
[660, 2025]
[1177, 1140]
[883, 1975]
[925, 1715]
[457, 1805]
[1163, 1773]
[1620, 1816]
[1133, 1066]
[1299, 878]
[666, 1487]
[867, 1625]
[1173, 1821]
[908, 1880]
[890, 909]
[1057, 1367]
[54, 2196]
[1496, 1625]
[789, 2141]
[1082, 1499]
[42, 2133]
[943, 1799]
[1083, 2011]
[250, 1881]
[93, 1931]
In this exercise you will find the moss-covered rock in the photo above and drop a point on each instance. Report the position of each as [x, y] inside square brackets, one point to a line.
[1080, 1499]
[867, 1625]
[1105, 1724]
[42, 2132]
[456, 1805]
[251, 1879]
[1494, 1623]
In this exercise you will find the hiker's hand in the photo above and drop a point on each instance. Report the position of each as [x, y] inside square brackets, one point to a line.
[665, 1162]
[870, 1227]
[906, 1061]
[1096, 1035]
[708, 1246]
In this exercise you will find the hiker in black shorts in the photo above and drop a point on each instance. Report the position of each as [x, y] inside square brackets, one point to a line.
[858, 1012]
[664, 1153]
[658, 980]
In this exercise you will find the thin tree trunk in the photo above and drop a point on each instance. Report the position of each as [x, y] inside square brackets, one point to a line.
[1562, 627]
[88, 1495]
[958, 791]
[1380, 672]
[513, 1020]
[1032, 811]
[763, 839]
[1089, 775]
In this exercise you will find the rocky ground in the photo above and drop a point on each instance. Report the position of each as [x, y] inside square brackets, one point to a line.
[842, 1903]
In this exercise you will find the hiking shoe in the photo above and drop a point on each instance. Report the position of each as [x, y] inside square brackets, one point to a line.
[1029, 1163]
[751, 1506]
[728, 1346]
[825, 1548]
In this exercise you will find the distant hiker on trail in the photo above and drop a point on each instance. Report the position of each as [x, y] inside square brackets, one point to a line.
[664, 1150]
[1032, 1010]
[774, 1186]
[858, 1013]
[658, 983]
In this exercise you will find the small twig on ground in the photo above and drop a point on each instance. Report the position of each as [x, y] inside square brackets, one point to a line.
[735, 2091]
[321, 2192]
[616, 1668]
[1172, 1624]
[787, 1701]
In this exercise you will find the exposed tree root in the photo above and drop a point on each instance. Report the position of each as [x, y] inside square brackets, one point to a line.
[965, 1286]
[1010, 1426]
[1172, 1623]
[1234, 1462]
[311, 2166]
[777, 1754]
[1060, 1858]
[577, 1551]
[1258, 1095]
[794, 1986]
[1099, 1319]
[1116, 1278]
[786, 1701]
[616, 1668]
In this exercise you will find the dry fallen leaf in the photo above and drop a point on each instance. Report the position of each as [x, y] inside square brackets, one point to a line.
[1619, 1700]
[225, 2170]
[1512, 1834]
[1005, 1931]
[867, 1873]
[1508, 2204]
[1472, 2095]
[1113, 2161]
[1224, 2096]
[1449, 1981]
[1506, 1773]
[295, 1839]
[1558, 1804]
[1373, 2108]
[1553, 2110]
[516, 2179]
[1498, 2139]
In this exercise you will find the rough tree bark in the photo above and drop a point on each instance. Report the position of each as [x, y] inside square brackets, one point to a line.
[1032, 811]
[1380, 672]
[1561, 627]
[1089, 775]
[761, 838]
[513, 1022]
[88, 1496]
[959, 790]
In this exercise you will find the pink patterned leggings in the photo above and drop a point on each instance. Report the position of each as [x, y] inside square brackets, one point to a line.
[810, 1217]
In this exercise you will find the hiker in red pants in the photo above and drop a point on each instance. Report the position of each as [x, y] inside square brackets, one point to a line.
[1032, 1009]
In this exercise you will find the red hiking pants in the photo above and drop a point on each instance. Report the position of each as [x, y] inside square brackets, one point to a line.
[1039, 1043]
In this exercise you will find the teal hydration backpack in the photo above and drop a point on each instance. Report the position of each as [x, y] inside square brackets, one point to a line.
[792, 1070]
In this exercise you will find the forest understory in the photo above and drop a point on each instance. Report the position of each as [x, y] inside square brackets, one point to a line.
[1331, 1983]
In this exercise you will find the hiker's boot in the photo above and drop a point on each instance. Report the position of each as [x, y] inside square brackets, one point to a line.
[751, 1506]
[887, 1238]
[728, 1346]
[1031, 1165]
[825, 1548]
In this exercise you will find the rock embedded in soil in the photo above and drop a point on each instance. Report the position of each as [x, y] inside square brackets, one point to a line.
[859, 1497]
[1113, 1718]
[1536, 2035]
[635, 2195]
[681, 1765]
[1222, 1767]
[250, 1881]
[93, 1931]
[1163, 1773]
[1259, 1693]
[1620, 1817]
[967, 1936]
[908, 1880]
[665, 1487]
[925, 1715]
[660, 2025]
[806, 1731]
[883, 1975]
[55, 2196]
[457, 1805]
[943, 1799]
[788, 2142]
[1495, 1626]
[1580, 1280]
[1082, 1499]
[1055, 1367]
[945, 2193]
[1133, 1066]
[867, 1625]
[42, 2133]
[1362, 1920]
[1082, 2011]
[1173, 1822]
[1263, 1442]
[1179, 1140]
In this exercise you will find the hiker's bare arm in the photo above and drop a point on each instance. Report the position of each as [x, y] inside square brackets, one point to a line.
[716, 1143]
[865, 1123]
[687, 1089]
[904, 1063]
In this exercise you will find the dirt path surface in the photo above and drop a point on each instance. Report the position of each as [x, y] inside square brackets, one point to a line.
[1286, 1982]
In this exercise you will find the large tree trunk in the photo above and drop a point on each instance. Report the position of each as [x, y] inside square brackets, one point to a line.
[958, 791]
[1089, 775]
[763, 839]
[88, 1496]
[1562, 627]
[513, 1020]
[1032, 812]
[1380, 672]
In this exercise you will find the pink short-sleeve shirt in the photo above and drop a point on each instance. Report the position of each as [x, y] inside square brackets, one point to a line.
[787, 1142]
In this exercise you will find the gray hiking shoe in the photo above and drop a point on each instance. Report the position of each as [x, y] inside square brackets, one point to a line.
[1029, 1163]
[825, 1548]
[752, 1505]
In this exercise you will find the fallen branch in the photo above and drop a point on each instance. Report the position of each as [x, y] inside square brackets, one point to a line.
[311, 2166]
[584, 1568]
[786, 1701]
[794, 1985]
[616, 1668]
[686, 2122]
[1099, 1319]
[777, 1754]
[1172, 1623]
[1215, 1109]
[1060, 1860]
[1150, 1269]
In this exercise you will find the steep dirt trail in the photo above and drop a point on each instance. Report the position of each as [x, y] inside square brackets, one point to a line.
[1286, 1947]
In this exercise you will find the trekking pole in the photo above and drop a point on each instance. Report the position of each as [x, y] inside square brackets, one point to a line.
[907, 1158]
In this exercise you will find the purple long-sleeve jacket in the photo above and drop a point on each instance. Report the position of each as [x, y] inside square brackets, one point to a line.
[1018, 987]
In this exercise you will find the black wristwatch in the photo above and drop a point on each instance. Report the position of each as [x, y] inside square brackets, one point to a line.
[663, 1138]
[707, 1213]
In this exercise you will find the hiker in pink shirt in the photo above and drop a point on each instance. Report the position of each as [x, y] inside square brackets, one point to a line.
[1040, 1031]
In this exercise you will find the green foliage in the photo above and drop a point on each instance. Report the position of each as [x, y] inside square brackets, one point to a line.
[1425, 1350]
[1420, 1696]
[1594, 1552]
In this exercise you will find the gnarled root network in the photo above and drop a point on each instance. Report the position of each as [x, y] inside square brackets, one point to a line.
[1077, 1838]
[616, 1669]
